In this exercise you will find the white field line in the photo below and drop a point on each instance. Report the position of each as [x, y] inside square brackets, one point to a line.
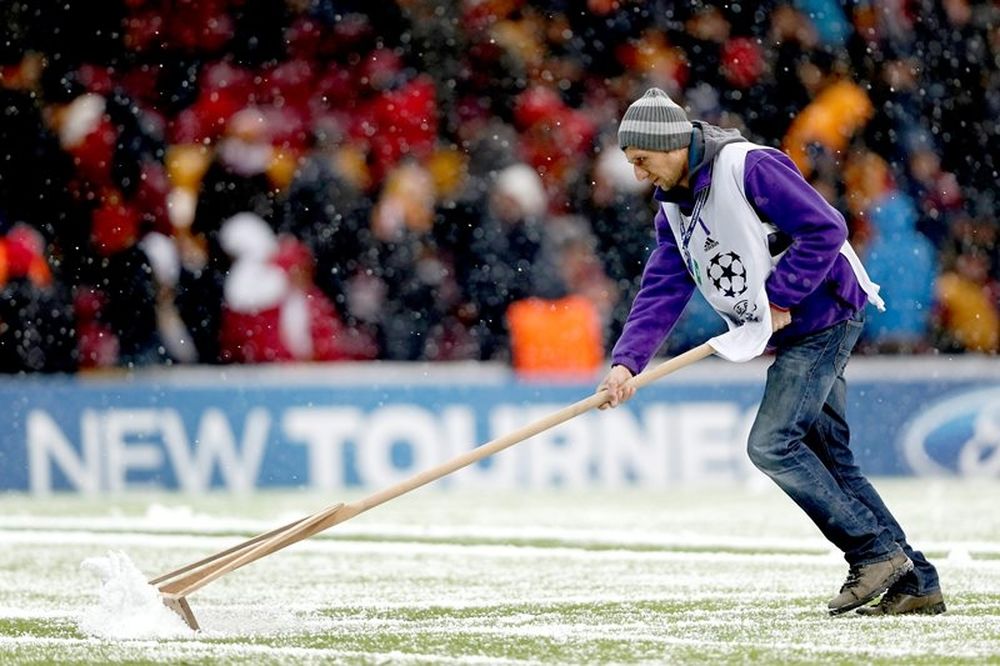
[208, 526]
[569, 537]
[602, 632]
[213, 543]
[10, 613]
[217, 614]
[194, 648]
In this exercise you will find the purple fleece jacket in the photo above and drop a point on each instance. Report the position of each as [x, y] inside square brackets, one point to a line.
[813, 280]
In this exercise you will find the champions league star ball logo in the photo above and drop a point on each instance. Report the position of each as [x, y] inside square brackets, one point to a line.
[727, 273]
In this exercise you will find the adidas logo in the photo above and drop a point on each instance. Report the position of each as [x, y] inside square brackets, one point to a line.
[709, 244]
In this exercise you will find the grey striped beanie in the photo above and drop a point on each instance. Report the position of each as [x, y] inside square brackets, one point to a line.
[654, 122]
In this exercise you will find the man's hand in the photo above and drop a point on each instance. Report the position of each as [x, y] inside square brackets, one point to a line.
[780, 318]
[618, 390]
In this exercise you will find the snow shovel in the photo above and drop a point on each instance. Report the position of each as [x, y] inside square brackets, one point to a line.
[176, 585]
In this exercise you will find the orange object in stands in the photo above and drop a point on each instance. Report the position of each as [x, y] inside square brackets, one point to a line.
[561, 336]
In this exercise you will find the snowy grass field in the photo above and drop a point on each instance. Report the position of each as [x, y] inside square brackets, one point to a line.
[713, 575]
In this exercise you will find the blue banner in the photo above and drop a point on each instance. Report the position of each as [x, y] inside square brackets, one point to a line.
[229, 431]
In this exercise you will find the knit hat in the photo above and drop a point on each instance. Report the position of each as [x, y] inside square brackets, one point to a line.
[654, 122]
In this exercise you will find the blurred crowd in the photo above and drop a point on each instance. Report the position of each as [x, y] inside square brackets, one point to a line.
[241, 181]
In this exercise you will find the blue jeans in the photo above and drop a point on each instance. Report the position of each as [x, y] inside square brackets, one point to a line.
[801, 440]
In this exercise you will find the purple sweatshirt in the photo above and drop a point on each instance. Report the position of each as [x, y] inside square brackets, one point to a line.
[812, 280]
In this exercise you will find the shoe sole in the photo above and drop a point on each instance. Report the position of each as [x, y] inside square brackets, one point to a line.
[932, 609]
[889, 582]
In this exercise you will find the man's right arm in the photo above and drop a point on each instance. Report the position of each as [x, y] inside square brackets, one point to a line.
[665, 289]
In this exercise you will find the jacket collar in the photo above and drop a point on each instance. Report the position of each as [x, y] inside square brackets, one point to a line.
[685, 195]
[702, 177]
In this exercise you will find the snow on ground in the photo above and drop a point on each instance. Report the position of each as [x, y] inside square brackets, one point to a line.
[688, 575]
[128, 607]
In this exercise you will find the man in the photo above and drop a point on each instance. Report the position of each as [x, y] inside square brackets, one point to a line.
[739, 222]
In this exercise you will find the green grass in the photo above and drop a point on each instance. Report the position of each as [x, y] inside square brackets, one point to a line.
[39, 628]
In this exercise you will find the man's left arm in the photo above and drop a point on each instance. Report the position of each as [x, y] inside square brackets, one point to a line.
[781, 196]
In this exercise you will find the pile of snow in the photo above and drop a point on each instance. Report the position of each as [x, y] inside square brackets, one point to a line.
[129, 607]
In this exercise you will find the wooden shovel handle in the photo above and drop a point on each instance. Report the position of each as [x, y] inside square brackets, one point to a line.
[222, 553]
[530, 430]
[187, 579]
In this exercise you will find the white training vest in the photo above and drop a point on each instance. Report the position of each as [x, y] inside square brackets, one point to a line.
[730, 260]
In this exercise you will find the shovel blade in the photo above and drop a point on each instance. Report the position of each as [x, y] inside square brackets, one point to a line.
[180, 606]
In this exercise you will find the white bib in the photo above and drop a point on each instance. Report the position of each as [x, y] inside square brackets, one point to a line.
[727, 255]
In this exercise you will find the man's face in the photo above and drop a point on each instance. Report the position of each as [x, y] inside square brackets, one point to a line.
[663, 169]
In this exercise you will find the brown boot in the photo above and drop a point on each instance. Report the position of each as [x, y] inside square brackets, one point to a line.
[900, 603]
[867, 581]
